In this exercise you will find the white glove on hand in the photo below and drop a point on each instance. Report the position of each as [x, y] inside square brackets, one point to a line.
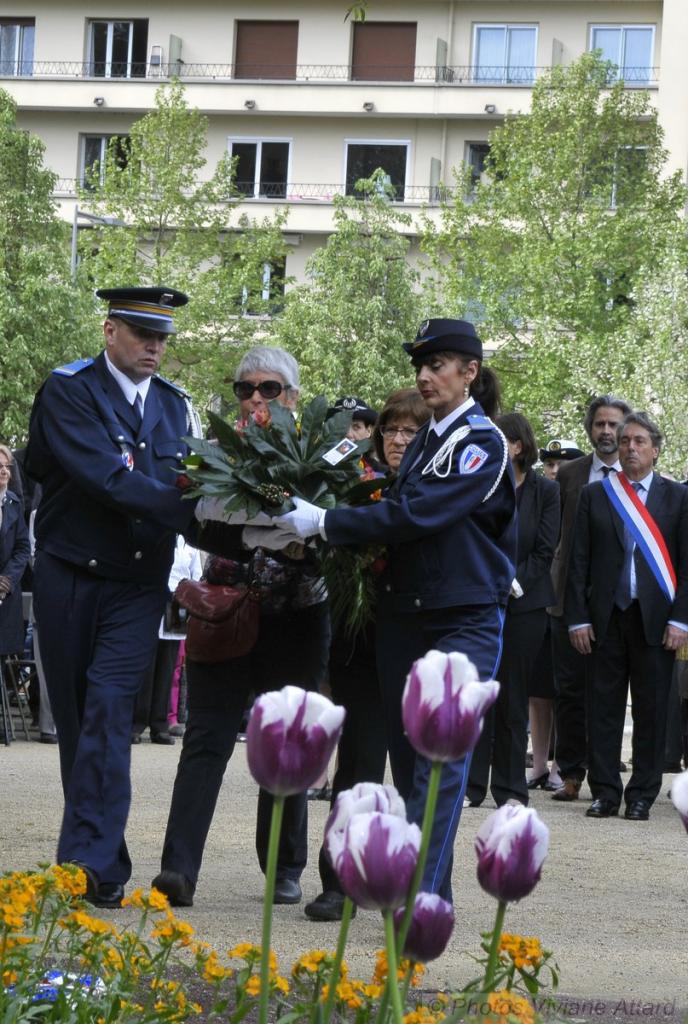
[305, 520]
[270, 538]
[214, 509]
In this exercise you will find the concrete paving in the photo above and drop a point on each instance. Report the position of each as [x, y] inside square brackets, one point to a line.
[612, 903]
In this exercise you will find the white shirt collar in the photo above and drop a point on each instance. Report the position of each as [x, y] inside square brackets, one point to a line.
[597, 464]
[441, 426]
[127, 385]
[647, 480]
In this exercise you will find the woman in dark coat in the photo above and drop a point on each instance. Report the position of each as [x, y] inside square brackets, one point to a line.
[505, 736]
[14, 557]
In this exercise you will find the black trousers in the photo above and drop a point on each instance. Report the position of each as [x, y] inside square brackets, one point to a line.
[362, 749]
[504, 739]
[153, 700]
[624, 655]
[570, 684]
[291, 650]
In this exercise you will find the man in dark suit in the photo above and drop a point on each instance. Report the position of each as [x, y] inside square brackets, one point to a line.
[602, 418]
[627, 611]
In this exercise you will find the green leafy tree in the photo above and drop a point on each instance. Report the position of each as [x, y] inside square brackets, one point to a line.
[41, 314]
[171, 223]
[362, 299]
[549, 249]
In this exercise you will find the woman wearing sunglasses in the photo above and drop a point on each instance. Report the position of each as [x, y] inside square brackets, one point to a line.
[292, 648]
[449, 522]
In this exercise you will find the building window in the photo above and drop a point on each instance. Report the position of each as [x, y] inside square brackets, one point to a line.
[117, 49]
[363, 158]
[270, 300]
[505, 54]
[630, 48]
[266, 49]
[384, 51]
[262, 166]
[476, 155]
[94, 150]
[16, 46]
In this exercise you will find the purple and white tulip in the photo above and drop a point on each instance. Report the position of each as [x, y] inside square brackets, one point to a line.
[290, 737]
[378, 857]
[364, 797]
[444, 704]
[679, 796]
[431, 926]
[511, 846]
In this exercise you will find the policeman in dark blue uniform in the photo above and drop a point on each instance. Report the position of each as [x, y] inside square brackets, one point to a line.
[105, 445]
[449, 521]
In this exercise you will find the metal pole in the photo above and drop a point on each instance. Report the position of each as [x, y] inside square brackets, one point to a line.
[75, 228]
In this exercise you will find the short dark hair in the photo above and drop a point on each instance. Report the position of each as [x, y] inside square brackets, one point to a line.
[406, 402]
[516, 427]
[641, 419]
[597, 403]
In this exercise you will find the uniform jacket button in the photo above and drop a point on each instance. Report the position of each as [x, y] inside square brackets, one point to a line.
[180, 455]
[93, 562]
[120, 437]
[138, 555]
[388, 587]
[141, 445]
[417, 602]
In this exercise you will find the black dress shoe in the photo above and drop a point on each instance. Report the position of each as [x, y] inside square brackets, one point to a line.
[623, 767]
[539, 782]
[135, 738]
[287, 890]
[107, 895]
[177, 888]
[638, 810]
[319, 793]
[162, 737]
[602, 809]
[47, 737]
[328, 906]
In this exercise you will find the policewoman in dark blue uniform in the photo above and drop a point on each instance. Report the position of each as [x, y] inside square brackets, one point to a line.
[105, 445]
[450, 525]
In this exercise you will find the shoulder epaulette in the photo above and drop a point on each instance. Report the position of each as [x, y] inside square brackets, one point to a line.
[69, 369]
[477, 422]
[172, 386]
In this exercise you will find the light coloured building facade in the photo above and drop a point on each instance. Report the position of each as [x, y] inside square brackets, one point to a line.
[309, 101]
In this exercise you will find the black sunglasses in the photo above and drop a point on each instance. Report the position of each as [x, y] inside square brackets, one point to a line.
[244, 389]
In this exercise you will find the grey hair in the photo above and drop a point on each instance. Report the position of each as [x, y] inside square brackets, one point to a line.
[598, 403]
[269, 359]
[641, 419]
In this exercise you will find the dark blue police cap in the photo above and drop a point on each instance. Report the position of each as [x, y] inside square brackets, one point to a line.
[445, 336]
[152, 308]
[359, 409]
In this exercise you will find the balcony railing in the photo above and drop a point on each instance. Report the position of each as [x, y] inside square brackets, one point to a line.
[301, 192]
[455, 75]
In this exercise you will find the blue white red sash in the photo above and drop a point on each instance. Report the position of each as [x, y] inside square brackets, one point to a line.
[643, 529]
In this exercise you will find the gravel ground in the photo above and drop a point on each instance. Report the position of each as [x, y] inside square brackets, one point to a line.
[612, 903]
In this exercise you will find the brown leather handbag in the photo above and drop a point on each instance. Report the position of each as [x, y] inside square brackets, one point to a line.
[223, 621]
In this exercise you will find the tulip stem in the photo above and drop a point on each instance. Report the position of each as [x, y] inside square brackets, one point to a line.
[270, 874]
[494, 947]
[392, 981]
[426, 830]
[347, 913]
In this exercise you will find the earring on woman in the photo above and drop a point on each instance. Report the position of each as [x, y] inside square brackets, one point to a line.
[466, 390]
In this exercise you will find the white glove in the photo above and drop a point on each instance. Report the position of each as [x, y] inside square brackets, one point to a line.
[214, 508]
[516, 588]
[305, 520]
[270, 538]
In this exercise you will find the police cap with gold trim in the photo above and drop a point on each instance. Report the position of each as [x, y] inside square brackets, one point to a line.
[152, 308]
[566, 451]
[445, 336]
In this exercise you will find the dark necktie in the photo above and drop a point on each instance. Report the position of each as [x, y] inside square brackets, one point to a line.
[606, 470]
[622, 597]
[137, 406]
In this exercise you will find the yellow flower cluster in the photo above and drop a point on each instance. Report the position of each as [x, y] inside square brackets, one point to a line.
[314, 961]
[251, 954]
[423, 1015]
[19, 894]
[382, 969]
[523, 950]
[155, 900]
[508, 1007]
[170, 929]
[79, 920]
[354, 994]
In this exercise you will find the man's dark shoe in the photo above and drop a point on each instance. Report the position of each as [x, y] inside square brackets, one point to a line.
[162, 737]
[287, 890]
[135, 738]
[569, 791]
[177, 888]
[328, 906]
[106, 895]
[672, 767]
[638, 810]
[623, 767]
[602, 809]
[47, 737]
